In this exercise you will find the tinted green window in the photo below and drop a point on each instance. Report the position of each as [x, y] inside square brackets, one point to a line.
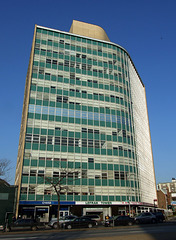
[104, 166]
[97, 166]
[97, 182]
[26, 162]
[32, 180]
[24, 179]
[41, 163]
[33, 162]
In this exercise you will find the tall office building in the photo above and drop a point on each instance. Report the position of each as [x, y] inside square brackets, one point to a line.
[84, 109]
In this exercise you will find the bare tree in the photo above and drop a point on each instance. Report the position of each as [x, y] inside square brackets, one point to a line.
[4, 168]
[60, 183]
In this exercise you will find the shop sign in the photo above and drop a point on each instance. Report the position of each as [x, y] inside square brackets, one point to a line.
[105, 203]
[94, 203]
[47, 203]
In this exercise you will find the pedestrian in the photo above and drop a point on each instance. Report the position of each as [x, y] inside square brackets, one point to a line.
[107, 217]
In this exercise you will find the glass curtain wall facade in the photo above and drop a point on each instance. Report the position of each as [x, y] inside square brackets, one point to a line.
[79, 113]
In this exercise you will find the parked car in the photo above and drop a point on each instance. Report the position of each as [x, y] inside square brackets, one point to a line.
[146, 217]
[159, 216]
[53, 221]
[93, 217]
[22, 224]
[119, 220]
[80, 222]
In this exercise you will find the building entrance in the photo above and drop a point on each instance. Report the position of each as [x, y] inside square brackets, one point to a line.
[41, 213]
[102, 212]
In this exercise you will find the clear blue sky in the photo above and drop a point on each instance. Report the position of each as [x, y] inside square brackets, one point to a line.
[145, 28]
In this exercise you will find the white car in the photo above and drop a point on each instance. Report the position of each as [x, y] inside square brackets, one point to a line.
[53, 221]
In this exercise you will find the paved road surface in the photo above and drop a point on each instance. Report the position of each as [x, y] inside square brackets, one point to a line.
[142, 232]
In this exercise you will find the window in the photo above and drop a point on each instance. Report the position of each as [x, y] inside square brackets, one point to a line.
[31, 189]
[56, 174]
[57, 159]
[23, 190]
[96, 131]
[89, 67]
[57, 141]
[104, 175]
[28, 137]
[43, 139]
[77, 142]
[84, 173]
[97, 176]
[35, 138]
[65, 99]
[47, 192]
[63, 175]
[41, 173]
[116, 175]
[70, 175]
[72, 76]
[71, 142]
[97, 144]
[50, 140]
[69, 193]
[72, 64]
[76, 174]
[84, 66]
[48, 61]
[63, 160]
[33, 172]
[122, 175]
[59, 99]
[4, 196]
[90, 160]
[84, 142]
[64, 141]
[78, 65]
[66, 63]
[90, 130]
[124, 133]
[61, 64]
[84, 129]
[62, 99]
[55, 62]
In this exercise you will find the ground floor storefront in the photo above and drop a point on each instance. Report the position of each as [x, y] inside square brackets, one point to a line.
[45, 210]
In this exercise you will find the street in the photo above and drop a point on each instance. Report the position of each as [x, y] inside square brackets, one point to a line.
[144, 232]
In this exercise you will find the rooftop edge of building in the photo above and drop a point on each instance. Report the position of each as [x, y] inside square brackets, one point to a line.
[88, 30]
[94, 38]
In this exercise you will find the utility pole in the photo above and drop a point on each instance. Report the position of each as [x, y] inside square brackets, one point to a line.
[129, 208]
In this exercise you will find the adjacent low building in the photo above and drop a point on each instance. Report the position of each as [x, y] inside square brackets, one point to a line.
[8, 194]
[169, 188]
[84, 109]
